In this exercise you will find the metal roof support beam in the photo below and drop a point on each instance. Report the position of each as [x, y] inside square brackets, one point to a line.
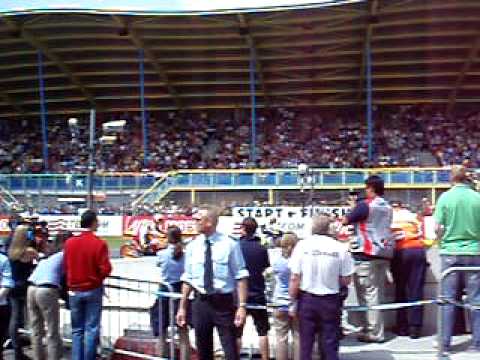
[43, 111]
[452, 98]
[245, 31]
[373, 11]
[42, 47]
[135, 38]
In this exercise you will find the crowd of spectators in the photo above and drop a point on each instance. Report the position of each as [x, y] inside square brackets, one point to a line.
[286, 138]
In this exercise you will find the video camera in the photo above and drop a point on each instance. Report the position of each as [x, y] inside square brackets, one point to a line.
[37, 234]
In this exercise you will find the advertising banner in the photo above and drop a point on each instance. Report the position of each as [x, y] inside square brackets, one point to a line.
[107, 225]
[133, 226]
[296, 219]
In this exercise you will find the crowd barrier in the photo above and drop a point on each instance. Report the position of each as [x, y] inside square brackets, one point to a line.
[128, 300]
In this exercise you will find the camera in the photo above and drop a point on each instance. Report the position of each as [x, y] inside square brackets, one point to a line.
[37, 234]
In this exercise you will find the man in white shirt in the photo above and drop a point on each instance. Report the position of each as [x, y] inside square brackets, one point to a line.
[319, 266]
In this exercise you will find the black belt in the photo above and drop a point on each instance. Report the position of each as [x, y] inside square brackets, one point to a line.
[319, 296]
[213, 297]
[47, 286]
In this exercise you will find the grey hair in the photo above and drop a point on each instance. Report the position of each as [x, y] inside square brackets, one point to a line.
[321, 225]
[212, 213]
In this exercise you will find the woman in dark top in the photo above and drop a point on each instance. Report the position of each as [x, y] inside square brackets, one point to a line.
[22, 257]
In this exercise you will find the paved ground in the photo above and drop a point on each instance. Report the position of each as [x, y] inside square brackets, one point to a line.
[399, 348]
[404, 348]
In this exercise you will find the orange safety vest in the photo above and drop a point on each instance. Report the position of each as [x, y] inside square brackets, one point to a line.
[407, 233]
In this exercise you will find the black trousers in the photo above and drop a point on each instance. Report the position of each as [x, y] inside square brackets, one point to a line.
[4, 320]
[408, 269]
[319, 315]
[17, 321]
[215, 311]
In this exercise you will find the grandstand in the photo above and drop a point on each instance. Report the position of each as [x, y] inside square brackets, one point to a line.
[223, 105]
[331, 77]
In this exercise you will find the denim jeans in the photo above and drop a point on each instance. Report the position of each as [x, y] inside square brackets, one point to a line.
[450, 287]
[86, 313]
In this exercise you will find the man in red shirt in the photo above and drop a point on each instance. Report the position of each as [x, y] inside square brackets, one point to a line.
[87, 264]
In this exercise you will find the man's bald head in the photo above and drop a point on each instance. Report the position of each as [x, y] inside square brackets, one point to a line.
[321, 225]
[208, 220]
[459, 174]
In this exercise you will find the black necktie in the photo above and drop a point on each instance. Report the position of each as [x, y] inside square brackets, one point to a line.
[208, 271]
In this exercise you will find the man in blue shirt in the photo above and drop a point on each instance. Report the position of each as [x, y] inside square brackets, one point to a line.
[42, 302]
[6, 283]
[214, 269]
[256, 259]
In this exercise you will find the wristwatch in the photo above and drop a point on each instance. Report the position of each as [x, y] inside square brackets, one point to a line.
[242, 304]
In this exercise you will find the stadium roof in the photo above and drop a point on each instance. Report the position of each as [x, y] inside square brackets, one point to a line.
[423, 51]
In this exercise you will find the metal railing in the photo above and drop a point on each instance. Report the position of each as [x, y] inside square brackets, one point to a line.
[212, 179]
[75, 183]
[127, 297]
[285, 179]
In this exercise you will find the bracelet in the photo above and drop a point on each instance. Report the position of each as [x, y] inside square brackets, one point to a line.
[242, 304]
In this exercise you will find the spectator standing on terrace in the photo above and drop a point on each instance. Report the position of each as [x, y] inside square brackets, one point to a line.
[320, 265]
[87, 264]
[214, 265]
[6, 285]
[256, 260]
[284, 321]
[42, 301]
[457, 215]
[372, 249]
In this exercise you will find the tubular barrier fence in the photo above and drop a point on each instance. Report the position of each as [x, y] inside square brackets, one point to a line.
[127, 304]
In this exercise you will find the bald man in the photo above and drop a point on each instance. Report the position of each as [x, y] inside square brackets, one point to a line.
[214, 267]
[319, 265]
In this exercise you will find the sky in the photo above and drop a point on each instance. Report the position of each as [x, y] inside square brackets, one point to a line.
[7, 6]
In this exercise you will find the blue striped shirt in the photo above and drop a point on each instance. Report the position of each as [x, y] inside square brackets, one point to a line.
[48, 271]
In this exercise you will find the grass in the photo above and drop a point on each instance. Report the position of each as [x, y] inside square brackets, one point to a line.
[114, 242]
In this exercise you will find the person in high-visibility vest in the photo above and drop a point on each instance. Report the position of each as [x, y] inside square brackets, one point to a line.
[408, 267]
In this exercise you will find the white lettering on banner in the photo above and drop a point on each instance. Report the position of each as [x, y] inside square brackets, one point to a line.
[107, 225]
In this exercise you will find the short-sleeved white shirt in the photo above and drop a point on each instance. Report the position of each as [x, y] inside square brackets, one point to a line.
[321, 261]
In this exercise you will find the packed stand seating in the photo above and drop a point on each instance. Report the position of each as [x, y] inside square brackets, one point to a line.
[221, 140]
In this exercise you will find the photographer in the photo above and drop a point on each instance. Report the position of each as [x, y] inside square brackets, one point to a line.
[22, 255]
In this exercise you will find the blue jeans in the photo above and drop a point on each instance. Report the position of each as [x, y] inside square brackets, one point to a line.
[450, 288]
[86, 313]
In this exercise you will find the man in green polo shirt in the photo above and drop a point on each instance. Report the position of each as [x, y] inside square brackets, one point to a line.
[457, 215]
